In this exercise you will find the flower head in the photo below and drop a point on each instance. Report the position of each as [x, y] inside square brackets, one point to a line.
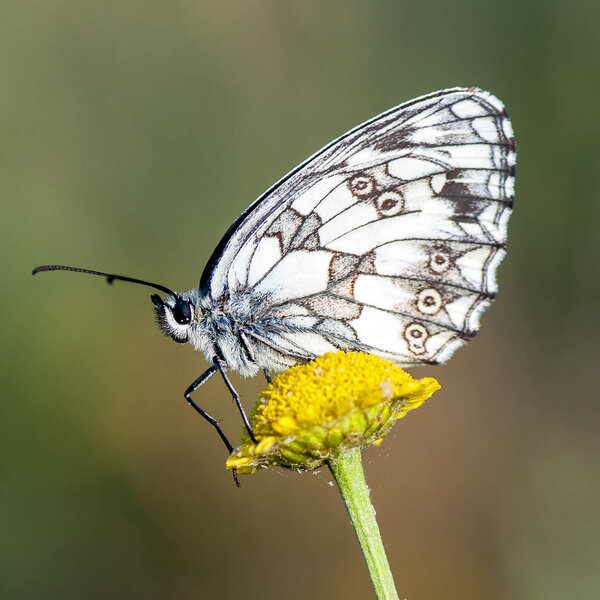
[312, 413]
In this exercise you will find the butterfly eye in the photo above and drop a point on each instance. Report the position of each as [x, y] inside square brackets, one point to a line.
[182, 312]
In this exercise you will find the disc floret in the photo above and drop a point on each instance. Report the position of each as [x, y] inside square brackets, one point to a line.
[313, 413]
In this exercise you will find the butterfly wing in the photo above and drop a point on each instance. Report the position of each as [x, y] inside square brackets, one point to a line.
[387, 240]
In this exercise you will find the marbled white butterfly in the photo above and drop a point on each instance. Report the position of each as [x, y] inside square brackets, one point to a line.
[385, 241]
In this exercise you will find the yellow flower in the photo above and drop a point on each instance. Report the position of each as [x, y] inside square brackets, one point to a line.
[312, 413]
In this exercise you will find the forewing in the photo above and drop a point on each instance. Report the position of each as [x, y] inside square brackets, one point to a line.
[387, 240]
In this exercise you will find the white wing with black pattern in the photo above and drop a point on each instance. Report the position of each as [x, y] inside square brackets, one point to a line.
[387, 240]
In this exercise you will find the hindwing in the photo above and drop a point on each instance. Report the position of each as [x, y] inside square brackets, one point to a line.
[387, 240]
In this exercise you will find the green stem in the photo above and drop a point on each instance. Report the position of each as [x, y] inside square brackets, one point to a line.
[350, 477]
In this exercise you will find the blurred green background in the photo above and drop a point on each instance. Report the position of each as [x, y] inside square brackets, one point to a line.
[133, 133]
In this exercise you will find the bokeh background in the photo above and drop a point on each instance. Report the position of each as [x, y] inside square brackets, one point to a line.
[132, 134]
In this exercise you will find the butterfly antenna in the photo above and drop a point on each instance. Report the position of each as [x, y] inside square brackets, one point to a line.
[110, 277]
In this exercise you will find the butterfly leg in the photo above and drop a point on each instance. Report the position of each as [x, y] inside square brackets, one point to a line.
[202, 379]
[236, 397]
[267, 376]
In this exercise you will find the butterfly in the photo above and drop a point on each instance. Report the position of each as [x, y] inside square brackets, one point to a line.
[385, 241]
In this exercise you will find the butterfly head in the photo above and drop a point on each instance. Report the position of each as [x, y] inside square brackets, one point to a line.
[176, 315]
